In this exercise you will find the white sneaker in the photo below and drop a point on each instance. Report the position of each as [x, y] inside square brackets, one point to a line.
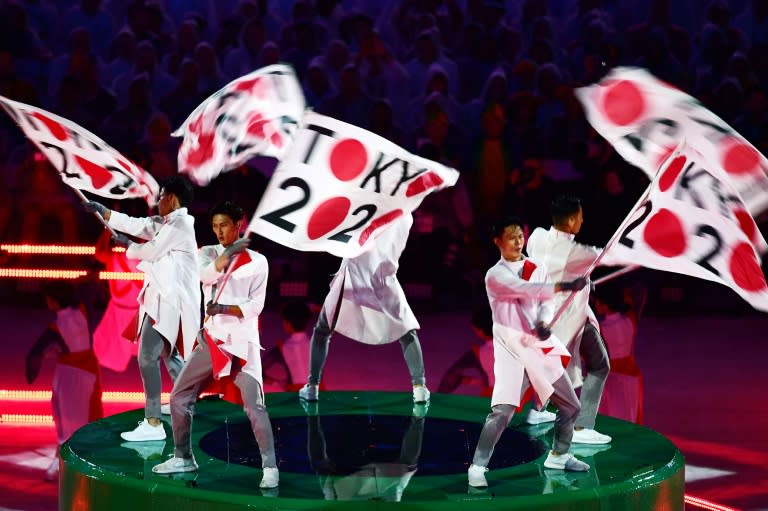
[476, 476]
[589, 436]
[539, 417]
[420, 394]
[565, 462]
[309, 392]
[271, 478]
[144, 432]
[165, 408]
[175, 465]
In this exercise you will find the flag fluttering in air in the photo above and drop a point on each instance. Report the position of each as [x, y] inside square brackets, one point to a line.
[340, 186]
[692, 221]
[256, 114]
[84, 161]
[645, 119]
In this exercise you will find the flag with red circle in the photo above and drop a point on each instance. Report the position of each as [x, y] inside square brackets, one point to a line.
[645, 118]
[253, 115]
[84, 161]
[340, 186]
[692, 221]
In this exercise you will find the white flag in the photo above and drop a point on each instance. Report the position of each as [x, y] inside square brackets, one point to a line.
[339, 186]
[254, 115]
[693, 222]
[644, 119]
[84, 161]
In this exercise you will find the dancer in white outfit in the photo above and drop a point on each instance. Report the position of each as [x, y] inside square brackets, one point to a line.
[170, 299]
[228, 346]
[525, 353]
[565, 259]
[367, 304]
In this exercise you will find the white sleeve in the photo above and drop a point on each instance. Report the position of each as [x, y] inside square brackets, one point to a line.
[257, 292]
[507, 285]
[145, 228]
[207, 266]
[167, 238]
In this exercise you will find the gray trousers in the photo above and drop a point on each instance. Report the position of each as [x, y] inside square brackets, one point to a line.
[152, 347]
[196, 375]
[496, 422]
[595, 357]
[318, 352]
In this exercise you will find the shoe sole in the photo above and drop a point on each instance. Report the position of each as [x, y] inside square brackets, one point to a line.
[479, 485]
[142, 439]
[591, 442]
[265, 487]
[553, 467]
[175, 471]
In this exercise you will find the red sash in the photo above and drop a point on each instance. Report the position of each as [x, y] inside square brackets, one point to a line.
[219, 360]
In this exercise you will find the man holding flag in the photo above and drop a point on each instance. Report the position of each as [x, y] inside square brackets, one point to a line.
[170, 298]
[228, 345]
[366, 303]
[525, 353]
[564, 259]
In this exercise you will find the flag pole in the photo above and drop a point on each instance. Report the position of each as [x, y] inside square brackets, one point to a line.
[84, 200]
[594, 264]
[617, 273]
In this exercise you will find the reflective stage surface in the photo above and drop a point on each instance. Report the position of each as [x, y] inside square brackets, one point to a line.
[366, 450]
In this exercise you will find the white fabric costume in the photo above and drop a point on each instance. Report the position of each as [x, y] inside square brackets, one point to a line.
[566, 260]
[76, 377]
[246, 288]
[373, 307]
[171, 291]
[516, 306]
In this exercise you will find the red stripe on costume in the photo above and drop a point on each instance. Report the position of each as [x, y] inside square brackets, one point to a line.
[219, 360]
[242, 259]
[528, 268]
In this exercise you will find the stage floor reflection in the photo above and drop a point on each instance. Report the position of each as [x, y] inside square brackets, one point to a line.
[367, 450]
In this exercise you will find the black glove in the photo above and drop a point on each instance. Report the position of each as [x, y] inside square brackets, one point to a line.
[573, 285]
[542, 332]
[236, 248]
[95, 207]
[121, 240]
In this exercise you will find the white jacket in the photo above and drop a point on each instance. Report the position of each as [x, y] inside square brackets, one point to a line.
[516, 306]
[246, 288]
[373, 308]
[171, 291]
[565, 259]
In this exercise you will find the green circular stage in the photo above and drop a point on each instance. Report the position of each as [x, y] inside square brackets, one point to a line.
[366, 450]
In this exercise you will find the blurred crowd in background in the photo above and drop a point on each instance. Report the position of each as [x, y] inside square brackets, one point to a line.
[484, 86]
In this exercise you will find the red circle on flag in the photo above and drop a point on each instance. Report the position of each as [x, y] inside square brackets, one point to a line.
[348, 159]
[623, 103]
[665, 234]
[670, 174]
[740, 158]
[745, 269]
[746, 222]
[327, 216]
